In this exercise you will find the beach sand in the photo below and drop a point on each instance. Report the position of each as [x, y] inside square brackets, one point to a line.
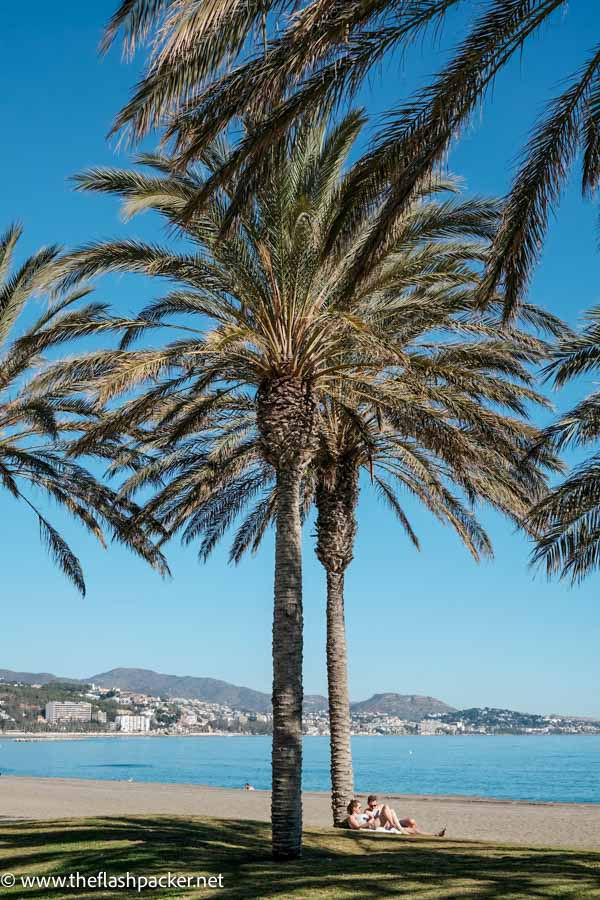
[504, 821]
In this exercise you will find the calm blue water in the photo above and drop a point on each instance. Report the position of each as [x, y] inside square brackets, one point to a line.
[562, 767]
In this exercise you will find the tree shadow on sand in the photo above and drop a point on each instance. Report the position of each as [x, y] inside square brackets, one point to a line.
[334, 864]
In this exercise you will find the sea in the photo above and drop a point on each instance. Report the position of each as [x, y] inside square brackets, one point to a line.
[563, 768]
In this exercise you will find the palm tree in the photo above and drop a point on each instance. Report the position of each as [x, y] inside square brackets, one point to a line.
[205, 483]
[569, 516]
[34, 427]
[209, 482]
[323, 56]
[427, 461]
[424, 449]
[276, 324]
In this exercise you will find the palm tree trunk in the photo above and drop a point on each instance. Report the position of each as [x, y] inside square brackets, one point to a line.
[286, 797]
[337, 497]
[286, 419]
[342, 775]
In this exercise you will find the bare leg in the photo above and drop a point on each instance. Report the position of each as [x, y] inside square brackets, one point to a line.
[389, 818]
[411, 826]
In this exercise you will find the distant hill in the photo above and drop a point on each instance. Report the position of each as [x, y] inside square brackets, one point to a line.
[31, 677]
[406, 706]
[209, 689]
[315, 703]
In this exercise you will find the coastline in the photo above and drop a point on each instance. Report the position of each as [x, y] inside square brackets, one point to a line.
[81, 736]
[548, 824]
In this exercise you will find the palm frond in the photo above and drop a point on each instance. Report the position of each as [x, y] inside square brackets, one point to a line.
[547, 160]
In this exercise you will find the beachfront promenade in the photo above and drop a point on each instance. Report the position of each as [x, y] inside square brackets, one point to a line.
[544, 824]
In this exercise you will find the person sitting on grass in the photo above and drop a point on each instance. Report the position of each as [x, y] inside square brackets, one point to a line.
[383, 818]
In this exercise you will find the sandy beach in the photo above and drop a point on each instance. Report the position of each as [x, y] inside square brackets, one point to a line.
[505, 821]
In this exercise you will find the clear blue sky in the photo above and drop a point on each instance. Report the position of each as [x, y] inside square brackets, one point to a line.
[431, 623]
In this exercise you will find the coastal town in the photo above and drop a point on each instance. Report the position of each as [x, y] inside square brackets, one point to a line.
[59, 709]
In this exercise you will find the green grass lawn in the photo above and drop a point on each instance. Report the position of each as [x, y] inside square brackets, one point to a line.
[334, 864]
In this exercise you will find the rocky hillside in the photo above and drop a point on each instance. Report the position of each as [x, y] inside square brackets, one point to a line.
[406, 706]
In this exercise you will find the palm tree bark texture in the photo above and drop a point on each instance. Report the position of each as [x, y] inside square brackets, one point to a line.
[336, 531]
[286, 415]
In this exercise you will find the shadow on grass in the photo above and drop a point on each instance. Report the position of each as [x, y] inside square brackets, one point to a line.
[334, 864]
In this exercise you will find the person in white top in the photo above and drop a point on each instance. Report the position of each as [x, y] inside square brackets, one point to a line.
[357, 819]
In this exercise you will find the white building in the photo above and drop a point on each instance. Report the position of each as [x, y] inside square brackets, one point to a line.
[67, 710]
[130, 724]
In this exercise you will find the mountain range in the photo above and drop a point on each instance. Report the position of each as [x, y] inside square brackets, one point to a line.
[211, 690]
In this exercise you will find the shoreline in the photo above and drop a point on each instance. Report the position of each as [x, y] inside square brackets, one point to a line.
[549, 824]
[419, 798]
[77, 735]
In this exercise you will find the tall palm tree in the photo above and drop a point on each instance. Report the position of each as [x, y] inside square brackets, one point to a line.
[457, 451]
[323, 56]
[34, 428]
[442, 435]
[436, 429]
[569, 517]
[272, 319]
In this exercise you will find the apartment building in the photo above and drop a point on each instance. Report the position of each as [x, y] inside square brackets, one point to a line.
[68, 711]
[130, 724]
